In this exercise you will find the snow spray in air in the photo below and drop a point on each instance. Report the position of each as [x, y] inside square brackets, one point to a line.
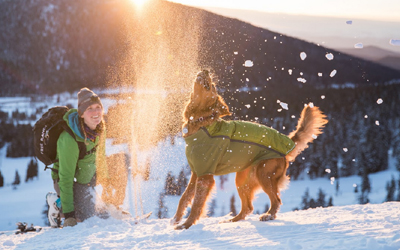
[154, 76]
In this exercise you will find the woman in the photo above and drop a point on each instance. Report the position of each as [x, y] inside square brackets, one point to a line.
[75, 179]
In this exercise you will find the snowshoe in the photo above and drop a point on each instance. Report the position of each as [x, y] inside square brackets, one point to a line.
[53, 213]
[23, 228]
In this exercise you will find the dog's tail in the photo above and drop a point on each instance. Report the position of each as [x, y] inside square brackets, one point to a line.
[310, 125]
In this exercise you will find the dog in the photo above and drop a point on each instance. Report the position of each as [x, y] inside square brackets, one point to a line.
[212, 147]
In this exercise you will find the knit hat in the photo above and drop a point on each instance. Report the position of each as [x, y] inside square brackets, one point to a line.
[86, 97]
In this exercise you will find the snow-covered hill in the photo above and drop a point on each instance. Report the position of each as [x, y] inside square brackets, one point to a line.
[344, 226]
[372, 226]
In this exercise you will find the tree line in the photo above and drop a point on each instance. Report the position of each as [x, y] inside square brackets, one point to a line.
[31, 172]
[363, 128]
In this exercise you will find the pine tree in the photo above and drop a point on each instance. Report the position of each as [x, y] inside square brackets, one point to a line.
[32, 170]
[222, 179]
[390, 188]
[398, 161]
[365, 187]
[1, 180]
[182, 182]
[17, 179]
[162, 209]
[321, 199]
[233, 208]
[363, 198]
[337, 187]
[213, 206]
[330, 202]
[398, 190]
[305, 200]
[44, 215]
[312, 203]
[170, 185]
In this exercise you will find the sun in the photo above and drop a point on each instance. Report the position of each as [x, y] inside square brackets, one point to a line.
[139, 3]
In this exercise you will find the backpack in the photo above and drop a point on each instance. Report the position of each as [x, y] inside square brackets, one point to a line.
[46, 132]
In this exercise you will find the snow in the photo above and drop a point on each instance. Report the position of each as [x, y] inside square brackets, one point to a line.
[283, 105]
[394, 42]
[351, 227]
[329, 56]
[301, 79]
[379, 101]
[248, 63]
[303, 56]
[358, 46]
[333, 73]
[347, 225]
[349, 22]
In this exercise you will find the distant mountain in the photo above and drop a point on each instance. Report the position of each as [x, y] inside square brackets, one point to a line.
[277, 58]
[371, 53]
[390, 61]
[50, 46]
[331, 32]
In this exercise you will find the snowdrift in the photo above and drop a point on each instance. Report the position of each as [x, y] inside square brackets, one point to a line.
[371, 226]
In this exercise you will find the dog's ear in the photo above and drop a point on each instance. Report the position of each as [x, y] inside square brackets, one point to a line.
[222, 108]
[188, 108]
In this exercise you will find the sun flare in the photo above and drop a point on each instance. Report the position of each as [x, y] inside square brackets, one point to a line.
[139, 3]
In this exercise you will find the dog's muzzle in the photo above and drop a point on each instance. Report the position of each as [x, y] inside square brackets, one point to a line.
[203, 79]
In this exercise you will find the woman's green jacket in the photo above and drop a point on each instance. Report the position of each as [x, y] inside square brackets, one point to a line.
[70, 169]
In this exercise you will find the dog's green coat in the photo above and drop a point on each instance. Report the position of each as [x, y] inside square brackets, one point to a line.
[231, 146]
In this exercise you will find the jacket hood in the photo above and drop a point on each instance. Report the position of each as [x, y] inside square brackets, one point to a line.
[72, 119]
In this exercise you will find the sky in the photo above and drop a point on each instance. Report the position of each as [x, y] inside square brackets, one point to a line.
[372, 23]
[385, 10]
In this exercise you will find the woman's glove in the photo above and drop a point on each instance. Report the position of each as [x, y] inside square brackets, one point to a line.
[70, 222]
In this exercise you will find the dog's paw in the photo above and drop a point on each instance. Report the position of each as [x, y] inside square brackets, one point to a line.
[181, 227]
[267, 217]
[174, 222]
[225, 221]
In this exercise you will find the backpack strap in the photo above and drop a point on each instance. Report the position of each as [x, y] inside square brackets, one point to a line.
[81, 145]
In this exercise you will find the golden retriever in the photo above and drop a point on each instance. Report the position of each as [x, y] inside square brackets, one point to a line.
[204, 108]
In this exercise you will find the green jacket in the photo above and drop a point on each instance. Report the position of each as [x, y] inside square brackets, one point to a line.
[231, 146]
[71, 170]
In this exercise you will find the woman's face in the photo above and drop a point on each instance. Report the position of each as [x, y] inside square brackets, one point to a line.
[93, 115]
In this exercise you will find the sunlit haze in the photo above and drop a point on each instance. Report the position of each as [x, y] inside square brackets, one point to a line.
[139, 3]
[387, 10]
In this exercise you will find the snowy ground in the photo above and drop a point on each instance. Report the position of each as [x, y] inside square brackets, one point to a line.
[369, 226]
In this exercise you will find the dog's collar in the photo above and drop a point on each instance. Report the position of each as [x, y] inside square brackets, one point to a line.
[202, 119]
